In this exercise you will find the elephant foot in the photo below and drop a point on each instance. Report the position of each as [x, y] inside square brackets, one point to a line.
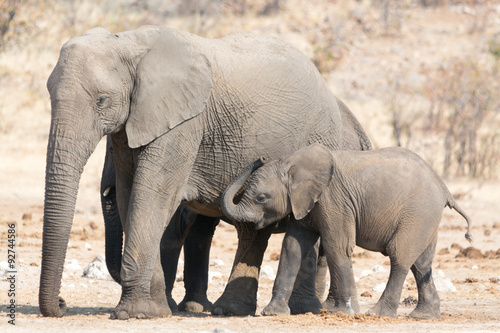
[196, 304]
[425, 312]
[276, 308]
[172, 304]
[140, 308]
[232, 306]
[337, 306]
[300, 305]
[383, 311]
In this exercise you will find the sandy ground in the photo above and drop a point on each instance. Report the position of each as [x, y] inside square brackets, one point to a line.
[469, 300]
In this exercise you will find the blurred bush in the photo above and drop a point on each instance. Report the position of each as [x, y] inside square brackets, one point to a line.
[457, 102]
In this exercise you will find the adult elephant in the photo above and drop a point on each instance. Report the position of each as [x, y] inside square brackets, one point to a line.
[186, 115]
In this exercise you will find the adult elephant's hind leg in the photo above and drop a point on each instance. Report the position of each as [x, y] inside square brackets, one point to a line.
[304, 298]
[428, 306]
[240, 296]
[196, 261]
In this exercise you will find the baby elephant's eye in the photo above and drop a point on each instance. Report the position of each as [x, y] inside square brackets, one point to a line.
[261, 198]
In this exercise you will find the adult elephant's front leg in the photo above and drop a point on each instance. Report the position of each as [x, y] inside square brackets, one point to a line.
[240, 296]
[160, 176]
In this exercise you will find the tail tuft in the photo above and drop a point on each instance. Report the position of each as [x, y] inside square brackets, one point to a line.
[468, 236]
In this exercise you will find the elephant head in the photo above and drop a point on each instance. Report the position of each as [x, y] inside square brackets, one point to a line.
[142, 83]
[290, 185]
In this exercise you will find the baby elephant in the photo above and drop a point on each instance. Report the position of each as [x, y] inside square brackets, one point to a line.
[387, 200]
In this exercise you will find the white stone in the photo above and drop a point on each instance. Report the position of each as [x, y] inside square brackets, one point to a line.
[217, 262]
[442, 283]
[379, 288]
[97, 269]
[378, 268]
[212, 275]
[267, 272]
[365, 273]
[72, 267]
[87, 246]
[4, 268]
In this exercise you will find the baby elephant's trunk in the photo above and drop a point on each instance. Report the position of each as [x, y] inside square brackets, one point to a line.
[234, 211]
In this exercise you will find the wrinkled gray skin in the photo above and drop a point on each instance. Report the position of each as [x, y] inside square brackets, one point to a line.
[185, 115]
[186, 227]
[386, 200]
[194, 232]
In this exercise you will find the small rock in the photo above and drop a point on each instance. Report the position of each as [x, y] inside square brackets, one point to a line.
[470, 253]
[378, 268]
[93, 225]
[365, 273]
[494, 280]
[444, 251]
[471, 280]
[442, 283]
[221, 330]
[97, 269]
[4, 268]
[409, 301]
[456, 246]
[275, 256]
[487, 232]
[474, 267]
[217, 262]
[212, 275]
[68, 286]
[88, 247]
[27, 216]
[72, 268]
[491, 254]
[267, 272]
[379, 288]
[366, 294]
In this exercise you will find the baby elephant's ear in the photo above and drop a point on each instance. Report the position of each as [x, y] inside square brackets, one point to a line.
[309, 174]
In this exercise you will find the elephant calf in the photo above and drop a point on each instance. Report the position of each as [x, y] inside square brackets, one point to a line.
[387, 200]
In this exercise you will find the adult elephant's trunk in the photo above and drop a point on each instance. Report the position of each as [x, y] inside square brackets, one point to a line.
[66, 157]
[234, 211]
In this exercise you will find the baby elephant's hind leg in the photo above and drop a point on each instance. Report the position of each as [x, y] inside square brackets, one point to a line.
[428, 306]
[388, 303]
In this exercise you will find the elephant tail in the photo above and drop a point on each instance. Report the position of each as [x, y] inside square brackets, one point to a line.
[453, 205]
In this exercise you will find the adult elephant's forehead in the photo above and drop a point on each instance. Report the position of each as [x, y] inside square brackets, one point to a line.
[90, 51]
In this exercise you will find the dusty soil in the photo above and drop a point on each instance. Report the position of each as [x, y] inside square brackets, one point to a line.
[472, 307]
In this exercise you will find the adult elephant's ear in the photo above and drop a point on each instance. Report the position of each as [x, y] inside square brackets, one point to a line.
[172, 85]
[310, 172]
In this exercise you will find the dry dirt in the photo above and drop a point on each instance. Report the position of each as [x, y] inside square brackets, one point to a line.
[472, 307]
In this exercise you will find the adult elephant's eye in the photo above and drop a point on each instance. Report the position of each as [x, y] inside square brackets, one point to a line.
[261, 198]
[103, 101]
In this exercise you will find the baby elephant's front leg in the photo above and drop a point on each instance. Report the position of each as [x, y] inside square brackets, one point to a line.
[296, 245]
